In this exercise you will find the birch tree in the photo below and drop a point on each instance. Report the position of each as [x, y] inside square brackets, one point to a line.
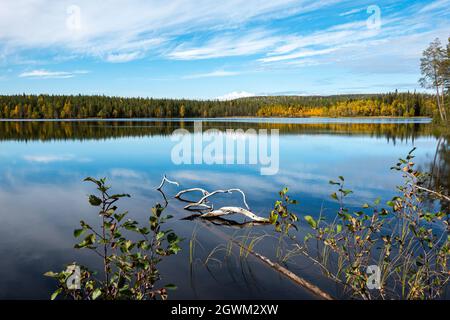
[432, 66]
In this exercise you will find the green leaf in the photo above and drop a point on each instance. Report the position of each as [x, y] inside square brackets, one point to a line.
[97, 293]
[117, 196]
[89, 240]
[311, 221]
[273, 217]
[347, 192]
[55, 294]
[51, 274]
[78, 232]
[334, 196]
[127, 245]
[174, 248]
[170, 286]
[172, 238]
[110, 212]
[120, 216]
[144, 231]
[98, 183]
[338, 228]
[94, 201]
[157, 210]
[160, 235]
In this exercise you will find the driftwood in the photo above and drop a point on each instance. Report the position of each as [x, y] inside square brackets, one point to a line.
[234, 210]
[207, 195]
[164, 180]
[179, 194]
[203, 203]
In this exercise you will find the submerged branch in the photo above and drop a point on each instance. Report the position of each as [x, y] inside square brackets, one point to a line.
[277, 267]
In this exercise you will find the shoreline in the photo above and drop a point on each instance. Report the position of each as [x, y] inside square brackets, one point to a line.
[212, 119]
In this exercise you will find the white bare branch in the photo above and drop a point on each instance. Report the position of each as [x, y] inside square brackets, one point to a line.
[206, 196]
[234, 210]
[164, 180]
[179, 194]
[203, 204]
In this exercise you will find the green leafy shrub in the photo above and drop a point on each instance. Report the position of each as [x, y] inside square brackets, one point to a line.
[130, 267]
[407, 241]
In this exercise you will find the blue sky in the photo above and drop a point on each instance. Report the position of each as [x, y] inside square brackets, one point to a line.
[210, 49]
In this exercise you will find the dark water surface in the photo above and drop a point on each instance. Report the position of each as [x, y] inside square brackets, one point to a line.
[43, 198]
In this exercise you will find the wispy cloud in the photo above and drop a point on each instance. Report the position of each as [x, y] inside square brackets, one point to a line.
[50, 158]
[253, 42]
[109, 27]
[213, 74]
[118, 34]
[350, 12]
[300, 54]
[125, 173]
[123, 57]
[46, 74]
[438, 4]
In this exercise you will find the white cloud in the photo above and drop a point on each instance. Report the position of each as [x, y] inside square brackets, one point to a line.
[125, 173]
[114, 31]
[439, 4]
[394, 48]
[49, 158]
[236, 95]
[321, 42]
[300, 54]
[350, 12]
[46, 74]
[213, 74]
[283, 47]
[123, 57]
[250, 43]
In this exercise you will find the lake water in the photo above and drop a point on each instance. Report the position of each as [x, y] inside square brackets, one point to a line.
[43, 198]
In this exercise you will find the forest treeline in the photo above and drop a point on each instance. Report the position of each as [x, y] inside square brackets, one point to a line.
[393, 104]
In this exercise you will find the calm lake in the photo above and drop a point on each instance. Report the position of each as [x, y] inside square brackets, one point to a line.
[43, 198]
